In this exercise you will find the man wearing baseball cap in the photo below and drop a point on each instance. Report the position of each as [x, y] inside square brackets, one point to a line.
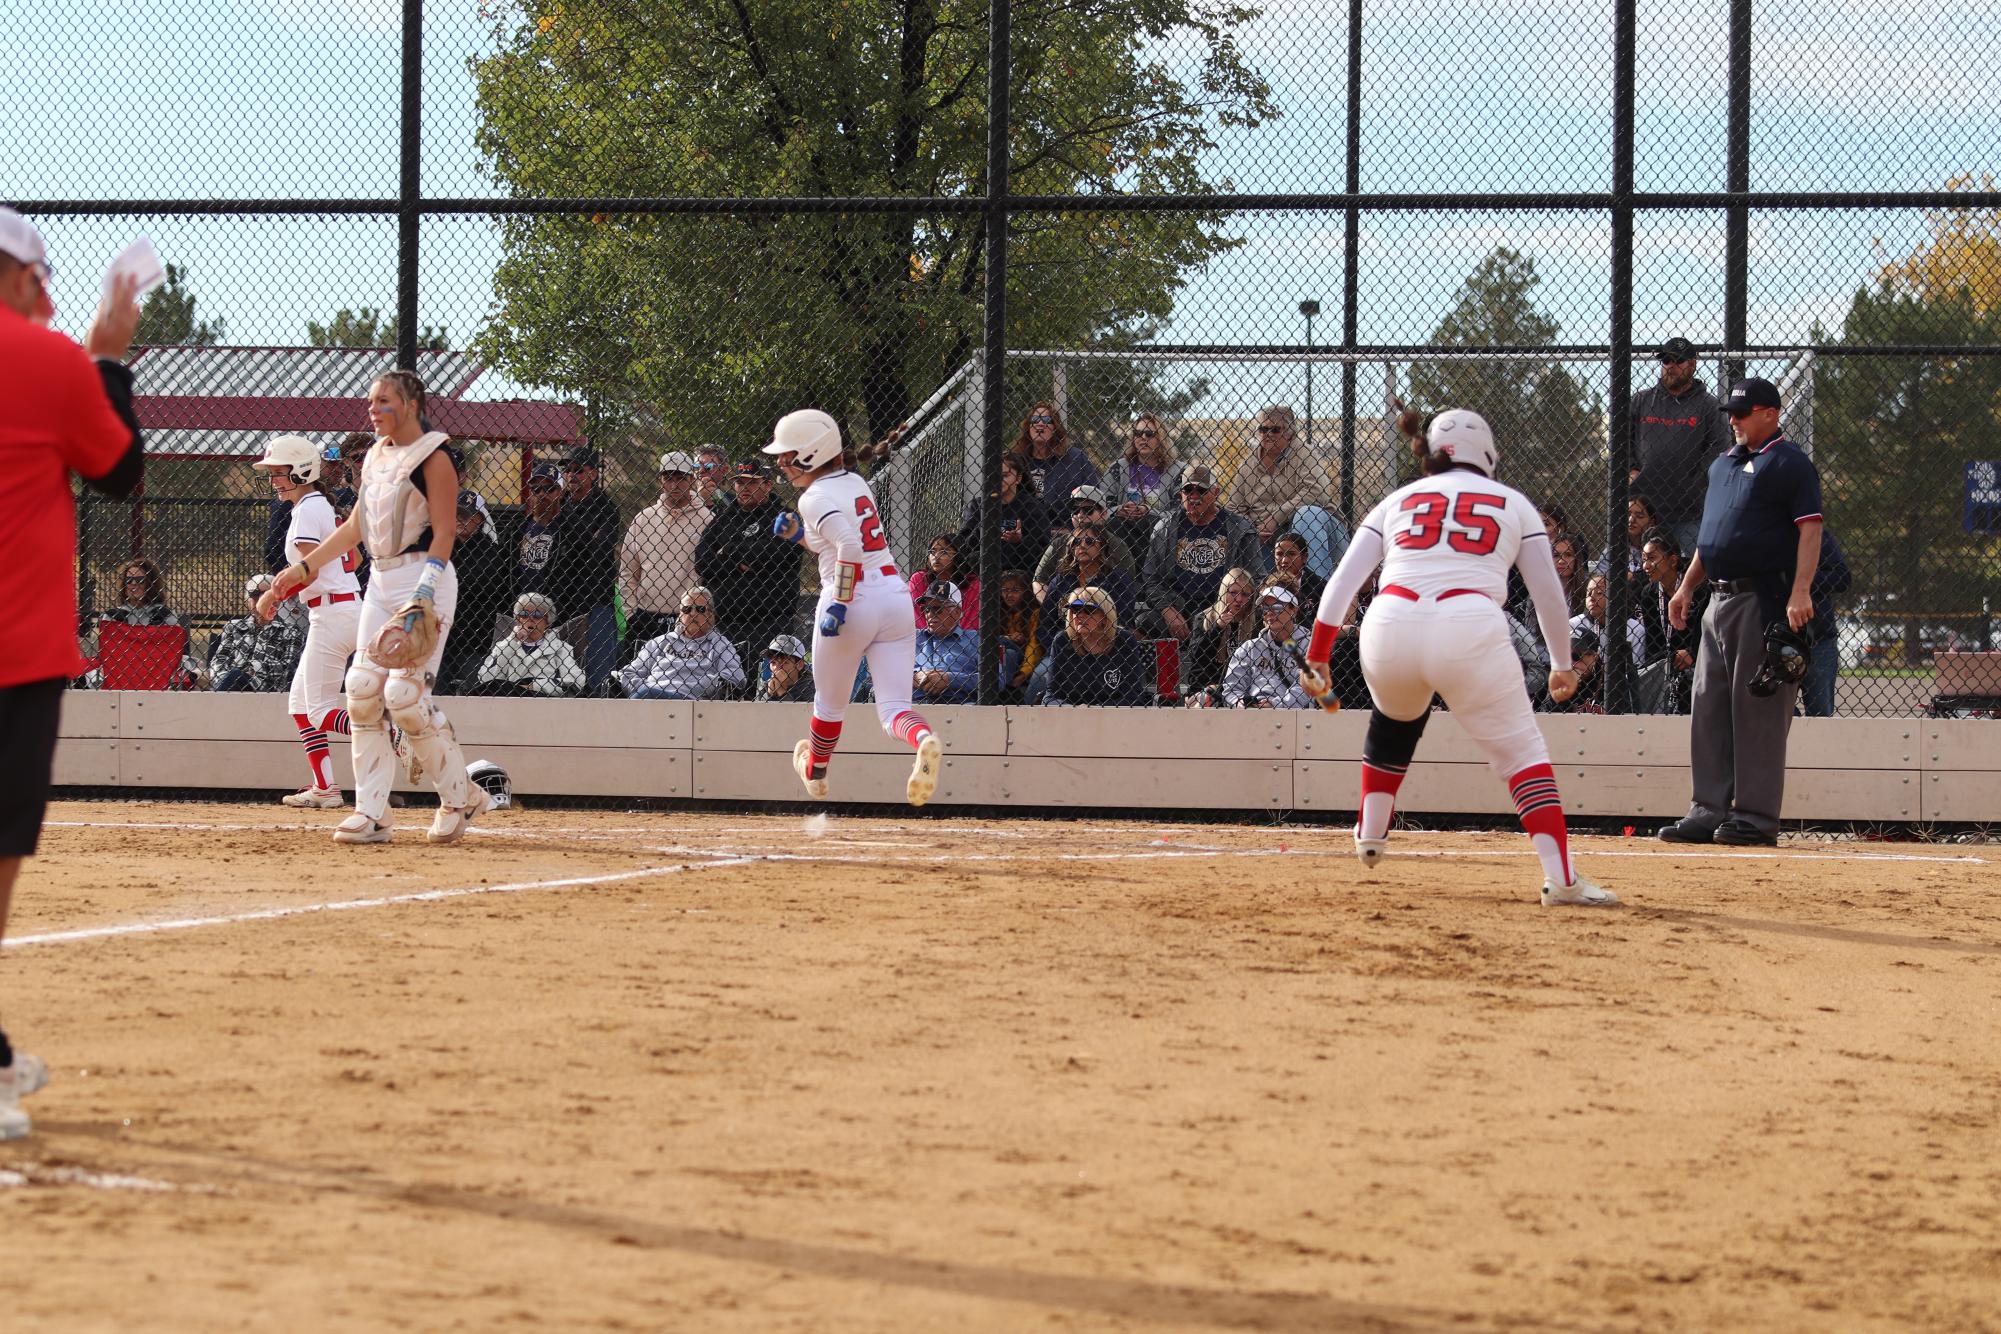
[948, 654]
[589, 540]
[1088, 509]
[755, 575]
[61, 414]
[1758, 548]
[657, 563]
[1678, 428]
[787, 678]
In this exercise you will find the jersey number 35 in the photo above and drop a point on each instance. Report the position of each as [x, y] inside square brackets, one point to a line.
[1470, 531]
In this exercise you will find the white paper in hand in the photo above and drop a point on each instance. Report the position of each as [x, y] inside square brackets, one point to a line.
[141, 263]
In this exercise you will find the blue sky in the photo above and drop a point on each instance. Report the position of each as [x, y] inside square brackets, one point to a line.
[298, 98]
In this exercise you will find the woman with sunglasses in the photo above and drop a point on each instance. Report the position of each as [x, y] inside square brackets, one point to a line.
[1143, 483]
[530, 662]
[864, 607]
[945, 568]
[1088, 564]
[1056, 466]
[1095, 661]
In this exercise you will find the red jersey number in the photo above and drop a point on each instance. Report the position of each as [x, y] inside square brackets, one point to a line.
[352, 560]
[1470, 532]
[873, 538]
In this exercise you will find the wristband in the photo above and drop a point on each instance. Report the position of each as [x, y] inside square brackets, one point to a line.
[1322, 646]
[305, 578]
[427, 585]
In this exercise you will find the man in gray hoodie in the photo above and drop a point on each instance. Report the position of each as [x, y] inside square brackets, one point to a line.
[1678, 428]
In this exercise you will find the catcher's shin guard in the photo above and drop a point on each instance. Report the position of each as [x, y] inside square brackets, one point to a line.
[364, 693]
[429, 734]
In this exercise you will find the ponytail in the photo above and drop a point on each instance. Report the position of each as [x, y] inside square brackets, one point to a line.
[1412, 425]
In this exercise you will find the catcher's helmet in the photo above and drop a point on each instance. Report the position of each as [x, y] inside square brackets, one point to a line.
[294, 453]
[1464, 437]
[494, 779]
[810, 435]
[1785, 661]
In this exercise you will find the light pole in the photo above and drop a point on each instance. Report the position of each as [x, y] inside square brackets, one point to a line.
[1309, 308]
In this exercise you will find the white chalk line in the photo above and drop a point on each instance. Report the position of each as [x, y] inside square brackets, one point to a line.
[353, 905]
[35, 1174]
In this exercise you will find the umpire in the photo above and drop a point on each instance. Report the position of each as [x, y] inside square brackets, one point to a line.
[1758, 548]
[59, 413]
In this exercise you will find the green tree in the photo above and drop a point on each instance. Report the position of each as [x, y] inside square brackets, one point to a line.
[366, 328]
[1548, 426]
[711, 325]
[167, 316]
[1892, 436]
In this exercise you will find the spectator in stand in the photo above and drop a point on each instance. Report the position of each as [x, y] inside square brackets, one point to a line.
[354, 447]
[712, 472]
[1085, 566]
[1094, 661]
[1219, 631]
[590, 527]
[1087, 511]
[1264, 673]
[659, 557]
[1288, 557]
[754, 572]
[1021, 621]
[1572, 559]
[786, 678]
[1277, 479]
[1143, 485]
[945, 567]
[1678, 430]
[486, 589]
[333, 471]
[1592, 618]
[536, 542]
[692, 661]
[948, 654]
[1192, 550]
[1640, 518]
[1670, 652]
[252, 656]
[1830, 576]
[530, 662]
[1585, 660]
[1024, 523]
[1055, 466]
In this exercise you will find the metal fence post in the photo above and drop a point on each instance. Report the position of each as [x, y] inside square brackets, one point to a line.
[1617, 660]
[408, 202]
[1351, 246]
[1737, 180]
[994, 358]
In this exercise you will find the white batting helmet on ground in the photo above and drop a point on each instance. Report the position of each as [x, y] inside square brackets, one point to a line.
[810, 435]
[494, 779]
[295, 453]
[1464, 437]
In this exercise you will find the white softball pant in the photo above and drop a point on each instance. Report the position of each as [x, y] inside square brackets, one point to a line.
[1460, 649]
[332, 631]
[879, 627]
[375, 694]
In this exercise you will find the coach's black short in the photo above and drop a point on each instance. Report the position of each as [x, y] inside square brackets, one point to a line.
[29, 714]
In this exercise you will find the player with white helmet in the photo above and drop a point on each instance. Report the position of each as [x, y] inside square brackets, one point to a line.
[333, 612]
[406, 513]
[1445, 543]
[864, 608]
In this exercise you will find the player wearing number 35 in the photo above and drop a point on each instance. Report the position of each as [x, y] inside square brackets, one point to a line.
[1445, 543]
[864, 607]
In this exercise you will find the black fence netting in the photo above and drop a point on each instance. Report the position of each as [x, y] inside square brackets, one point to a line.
[1212, 243]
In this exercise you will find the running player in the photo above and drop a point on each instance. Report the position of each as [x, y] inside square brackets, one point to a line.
[864, 606]
[1436, 625]
[333, 612]
[406, 513]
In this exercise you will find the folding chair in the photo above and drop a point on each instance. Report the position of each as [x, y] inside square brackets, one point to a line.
[1167, 671]
[140, 657]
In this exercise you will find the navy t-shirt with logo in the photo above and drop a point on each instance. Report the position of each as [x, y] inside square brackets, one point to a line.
[1201, 559]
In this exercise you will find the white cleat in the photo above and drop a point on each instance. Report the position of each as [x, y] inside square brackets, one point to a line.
[26, 1075]
[802, 764]
[449, 825]
[316, 798]
[358, 828]
[1581, 893]
[924, 773]
[1370, 850]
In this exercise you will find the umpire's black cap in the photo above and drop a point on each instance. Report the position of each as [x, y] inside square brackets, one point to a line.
[1747, 396]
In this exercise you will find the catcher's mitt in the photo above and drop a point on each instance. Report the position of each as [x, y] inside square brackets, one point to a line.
[408, 637]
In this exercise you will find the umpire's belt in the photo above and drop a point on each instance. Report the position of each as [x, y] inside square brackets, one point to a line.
[1735, 585]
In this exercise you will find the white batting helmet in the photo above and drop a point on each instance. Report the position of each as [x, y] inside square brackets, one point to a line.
[296, 454]
[810, 435]
[1464, 437]
[495, 780]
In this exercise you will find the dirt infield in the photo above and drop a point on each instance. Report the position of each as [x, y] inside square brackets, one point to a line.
[617, 1071]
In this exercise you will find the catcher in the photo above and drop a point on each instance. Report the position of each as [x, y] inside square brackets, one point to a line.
[405, 514]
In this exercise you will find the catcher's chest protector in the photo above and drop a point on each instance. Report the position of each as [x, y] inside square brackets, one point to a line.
[391, 509]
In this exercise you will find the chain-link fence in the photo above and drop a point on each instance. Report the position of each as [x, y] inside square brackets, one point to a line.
[619, 240]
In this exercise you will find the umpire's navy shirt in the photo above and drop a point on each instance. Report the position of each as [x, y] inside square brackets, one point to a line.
[1757, 500]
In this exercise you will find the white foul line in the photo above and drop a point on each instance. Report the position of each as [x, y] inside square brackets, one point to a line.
[350, 905]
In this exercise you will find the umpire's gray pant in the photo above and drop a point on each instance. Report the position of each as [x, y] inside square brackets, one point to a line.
[1737, 741]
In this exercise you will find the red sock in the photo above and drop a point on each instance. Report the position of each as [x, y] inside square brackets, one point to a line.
[336, 722]
[1380, 782]
[315, 742]
[826, 736]
[910, 728]
[1541, 811]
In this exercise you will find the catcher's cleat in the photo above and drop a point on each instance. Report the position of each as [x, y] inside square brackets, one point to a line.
[1370, 850]
[316, 798]
[1580, 892]
[358, 828]
[450, 823]
[26, 1075]
[802, 764]
[924, 772]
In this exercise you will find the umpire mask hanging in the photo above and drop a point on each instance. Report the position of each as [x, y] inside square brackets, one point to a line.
[1785, 660]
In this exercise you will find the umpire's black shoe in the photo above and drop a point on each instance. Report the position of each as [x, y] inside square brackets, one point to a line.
[1739, 834]
[1687, 831]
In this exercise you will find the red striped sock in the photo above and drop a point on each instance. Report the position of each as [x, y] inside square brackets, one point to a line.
[1379, 796]
[910, 728]
[1541, 812]
[336, 723]
[826, 736]
[315, 742]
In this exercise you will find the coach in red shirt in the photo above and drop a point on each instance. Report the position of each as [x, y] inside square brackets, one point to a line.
[59, 413]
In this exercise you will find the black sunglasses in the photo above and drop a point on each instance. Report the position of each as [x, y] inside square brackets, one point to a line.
[1271, 430]
[1041, 421]
[531, 615]
[1146, 435]
[686, 608]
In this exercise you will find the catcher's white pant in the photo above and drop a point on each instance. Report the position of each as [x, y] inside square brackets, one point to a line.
[332, 629]
[1459, 648]
[375, 695]
[879, 627]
